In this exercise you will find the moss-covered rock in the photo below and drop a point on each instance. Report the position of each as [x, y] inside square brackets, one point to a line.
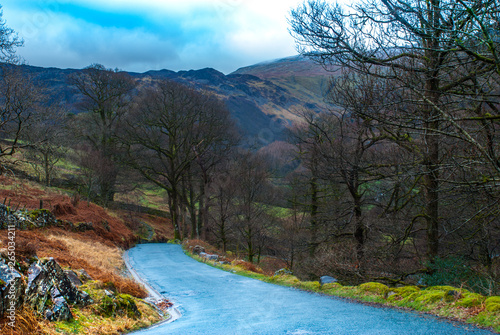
[430, 297]
[411, 297]
[491, 300]
[42, 217]
[283, 271]
[441, 288]
[471, 300]
[83, 226]
[453, 295]
[374, 287]
[407, 290]
[310, 285]
[24, 219]
[401, 293]
[493, 308]
[119, 305]
[492, 304]
[288, 280]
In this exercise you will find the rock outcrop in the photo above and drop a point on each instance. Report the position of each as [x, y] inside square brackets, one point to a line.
[12, 287]
[210, 257]
[283, 271]
[24, 219]
[327, 280]
[48, 290]
[48, 282]
[198, 249]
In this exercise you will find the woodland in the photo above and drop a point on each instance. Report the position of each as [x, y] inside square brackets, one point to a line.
[397, 181]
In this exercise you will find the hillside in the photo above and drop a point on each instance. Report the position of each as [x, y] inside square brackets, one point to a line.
[262, 98]
[83, 243]
[306, 80]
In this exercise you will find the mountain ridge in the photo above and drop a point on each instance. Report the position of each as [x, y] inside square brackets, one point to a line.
[263, 98]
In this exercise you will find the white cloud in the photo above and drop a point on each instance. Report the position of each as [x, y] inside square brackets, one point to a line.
[189, 34]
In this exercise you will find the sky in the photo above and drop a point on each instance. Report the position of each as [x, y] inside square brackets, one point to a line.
[142, 35]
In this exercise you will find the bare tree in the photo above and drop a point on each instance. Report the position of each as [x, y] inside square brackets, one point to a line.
[48, 142]
[170, 129]
[432, 51]
[220, 137]
[222, 193]
[20, 101]
[251, 199]
[9, 41]
[105, 96]
[294, 227]
[95, 170]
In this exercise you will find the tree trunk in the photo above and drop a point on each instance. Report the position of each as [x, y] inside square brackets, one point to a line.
[431, 165]
[173, 197]
[314, 212]
[250, 249]
[359, 232]
[201, 212]
[46, 168]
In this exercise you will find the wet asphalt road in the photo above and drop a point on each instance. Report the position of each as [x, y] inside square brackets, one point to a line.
[213, 301]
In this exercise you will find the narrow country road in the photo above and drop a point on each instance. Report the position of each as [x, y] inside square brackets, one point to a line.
[212, 301]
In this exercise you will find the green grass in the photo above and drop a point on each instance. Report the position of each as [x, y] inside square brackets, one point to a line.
[67, 165]
[279, 212]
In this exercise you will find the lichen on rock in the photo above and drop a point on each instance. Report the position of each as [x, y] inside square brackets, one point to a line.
[12, 290]
[47, 282]
[24, 219]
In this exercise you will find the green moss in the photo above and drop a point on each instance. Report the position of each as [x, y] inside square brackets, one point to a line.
[331, 286]
[471, 300]
[492, 304]
[35, 214]
[110, 306]
[493, 299]
[430, 297]
[374, 287]
[403, 292]
[120, 305]
[441, 288]
[128, 306]
[69, 327]
[93, 288]
[310, 285]
[407, 290]
[410, 297]
[493, 308]
[287, 280]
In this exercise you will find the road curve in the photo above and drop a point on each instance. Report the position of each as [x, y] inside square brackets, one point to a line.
[213, 301]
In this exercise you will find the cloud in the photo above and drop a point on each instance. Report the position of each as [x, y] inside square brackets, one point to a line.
[143, 35]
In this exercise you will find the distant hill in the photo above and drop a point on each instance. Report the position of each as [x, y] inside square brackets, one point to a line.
[298, 76]
[263, 98]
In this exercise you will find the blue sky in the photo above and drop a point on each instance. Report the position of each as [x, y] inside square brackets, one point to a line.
[137, 35]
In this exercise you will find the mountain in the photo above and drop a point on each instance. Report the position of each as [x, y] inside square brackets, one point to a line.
[263, 98]
[298, 75]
